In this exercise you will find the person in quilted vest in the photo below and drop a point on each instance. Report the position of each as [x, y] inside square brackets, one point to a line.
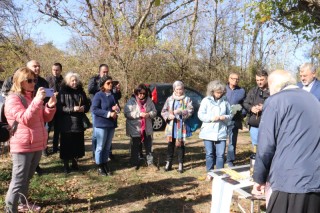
[139, 112]
[175, 111]
[30, 136]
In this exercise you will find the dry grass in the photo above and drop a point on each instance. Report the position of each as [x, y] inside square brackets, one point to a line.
[150, 189]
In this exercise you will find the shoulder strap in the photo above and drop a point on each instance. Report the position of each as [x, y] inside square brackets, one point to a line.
[23, 100]
[15, 123]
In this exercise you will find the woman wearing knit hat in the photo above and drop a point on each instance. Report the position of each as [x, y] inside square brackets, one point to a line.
[175, 111]
[105, 109]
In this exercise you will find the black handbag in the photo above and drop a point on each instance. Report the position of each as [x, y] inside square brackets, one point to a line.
[86, 122]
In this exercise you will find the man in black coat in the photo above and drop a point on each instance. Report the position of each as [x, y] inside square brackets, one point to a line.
[55, 81]
[254, 103]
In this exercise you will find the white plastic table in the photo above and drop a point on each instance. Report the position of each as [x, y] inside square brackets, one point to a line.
[222, 191]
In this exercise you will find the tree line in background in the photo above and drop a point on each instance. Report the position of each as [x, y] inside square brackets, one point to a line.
[162, 40]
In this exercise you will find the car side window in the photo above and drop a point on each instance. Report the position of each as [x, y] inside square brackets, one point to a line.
[195, 97]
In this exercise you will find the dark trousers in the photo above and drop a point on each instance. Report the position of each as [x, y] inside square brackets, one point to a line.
[180, 151]
[282, 202]
[136, 149]
[56, 133]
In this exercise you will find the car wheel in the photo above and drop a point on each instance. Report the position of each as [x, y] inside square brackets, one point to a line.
[158, 123]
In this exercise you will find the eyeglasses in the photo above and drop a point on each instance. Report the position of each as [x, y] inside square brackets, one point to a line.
[235, 79]
[32, 80]
[109, 82]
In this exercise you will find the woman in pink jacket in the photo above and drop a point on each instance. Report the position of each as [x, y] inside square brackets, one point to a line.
[26, 115]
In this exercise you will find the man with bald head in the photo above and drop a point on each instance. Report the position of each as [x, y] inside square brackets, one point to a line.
[309, 82]
[35, 67]
[288, 154]
[235, 96]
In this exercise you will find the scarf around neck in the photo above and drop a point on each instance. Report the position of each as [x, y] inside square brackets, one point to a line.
[178, 98]
[142, 106]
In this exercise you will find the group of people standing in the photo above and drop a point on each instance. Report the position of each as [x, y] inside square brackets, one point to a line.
[28, 109]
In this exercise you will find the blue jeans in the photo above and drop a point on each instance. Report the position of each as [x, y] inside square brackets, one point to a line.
[104, 138]
[93, 138]
[233, 135]
[254, 131]
[214, 154]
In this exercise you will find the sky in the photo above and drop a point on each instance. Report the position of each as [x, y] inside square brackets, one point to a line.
[49, 31]
[52, 32]
[44, 31]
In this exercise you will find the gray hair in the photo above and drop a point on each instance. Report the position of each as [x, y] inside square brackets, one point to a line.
[177, 83]
[279, 79]
[71, 74]
[308, 66]
[215, 86]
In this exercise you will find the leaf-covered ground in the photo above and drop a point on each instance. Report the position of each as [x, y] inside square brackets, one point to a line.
[150, 189]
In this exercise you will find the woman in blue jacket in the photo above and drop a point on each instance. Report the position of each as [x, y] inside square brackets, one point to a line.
[105, 109]
[215, 114]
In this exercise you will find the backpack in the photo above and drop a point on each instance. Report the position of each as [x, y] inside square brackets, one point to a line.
[4, 126]
[193, 122]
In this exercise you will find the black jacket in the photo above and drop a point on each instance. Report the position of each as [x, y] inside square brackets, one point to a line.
[68, 97]
[55, 82]
[93, 88]
[255, 96]
[41, 83]
[7, 84]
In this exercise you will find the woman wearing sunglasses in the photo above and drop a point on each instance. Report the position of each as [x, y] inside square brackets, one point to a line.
[105, 109]
[27, 115]
[72, 106]
[139, 112]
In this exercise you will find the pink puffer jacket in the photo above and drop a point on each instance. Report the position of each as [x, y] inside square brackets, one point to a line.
[31, 134]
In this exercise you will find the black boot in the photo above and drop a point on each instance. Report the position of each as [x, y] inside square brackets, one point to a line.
[45, 152]
[180, 169]
[168, 166]
[66, 166]
[39, 171]
[74, 165]
[101, 170]
[106, 168]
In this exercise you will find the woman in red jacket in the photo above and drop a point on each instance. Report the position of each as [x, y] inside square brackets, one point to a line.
[26, 114]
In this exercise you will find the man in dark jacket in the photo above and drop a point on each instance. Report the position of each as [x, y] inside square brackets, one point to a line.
[7, 84]
[235, 96]
[309, 82]
[254, 103]
[93, 88]
[288, 154]
[55, 81]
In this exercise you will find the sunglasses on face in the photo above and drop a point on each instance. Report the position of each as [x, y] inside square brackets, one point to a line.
[31, 80]
[109, 82]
